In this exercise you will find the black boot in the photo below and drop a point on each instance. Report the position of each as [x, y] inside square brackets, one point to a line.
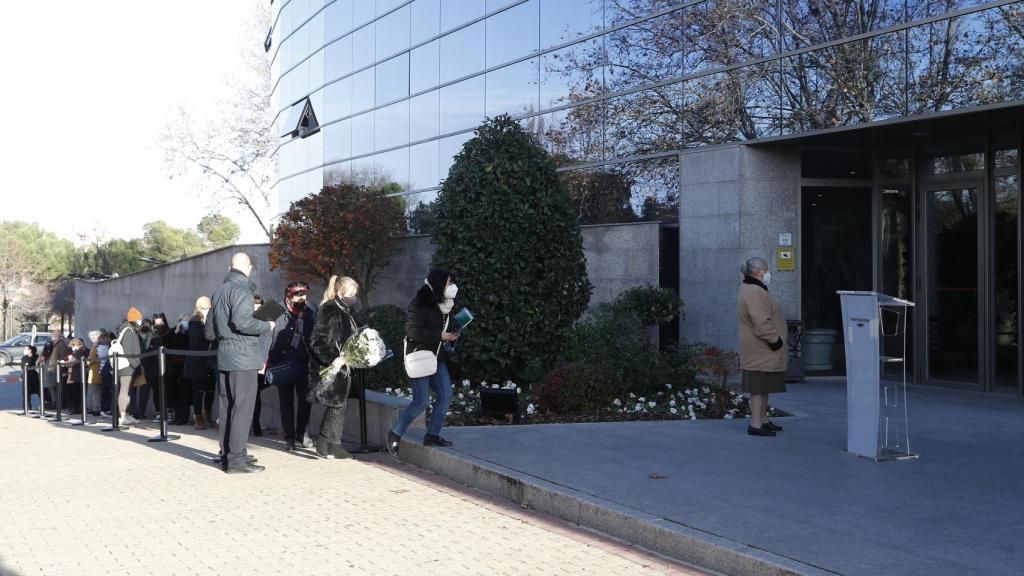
[435, 440]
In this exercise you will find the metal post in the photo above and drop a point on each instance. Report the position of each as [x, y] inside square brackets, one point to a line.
[42, 396]
[364, 446]
[164, 436]
[81, 371]
[59, 400]
[24, 385]
[115, 410]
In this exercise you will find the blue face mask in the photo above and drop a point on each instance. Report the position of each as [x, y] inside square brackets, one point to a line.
[184, 325]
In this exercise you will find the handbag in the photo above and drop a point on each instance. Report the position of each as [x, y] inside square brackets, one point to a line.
[116, 348]
[283, 373]
[421, 363]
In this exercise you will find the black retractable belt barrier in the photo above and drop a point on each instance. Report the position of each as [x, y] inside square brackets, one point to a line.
[364, 445]
[164, 436]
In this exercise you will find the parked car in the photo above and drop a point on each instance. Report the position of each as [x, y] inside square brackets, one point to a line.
[12, 350]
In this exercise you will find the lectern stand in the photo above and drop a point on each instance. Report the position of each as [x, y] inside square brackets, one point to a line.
[876, 383]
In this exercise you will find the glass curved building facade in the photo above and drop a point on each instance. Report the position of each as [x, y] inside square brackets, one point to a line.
[699, 114]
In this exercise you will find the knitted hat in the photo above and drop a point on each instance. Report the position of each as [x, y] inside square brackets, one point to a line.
[134, 315]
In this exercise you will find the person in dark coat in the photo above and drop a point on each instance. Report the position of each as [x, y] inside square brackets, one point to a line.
[179, 397]
[288, 363]
[332, 328]
[28, 361]
[128, 336]
[150, 340]
[58, 353]
[261, 377]
[426, 326]
[200, 372]
[239, 359]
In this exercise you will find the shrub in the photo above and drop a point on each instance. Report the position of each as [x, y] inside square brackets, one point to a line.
[717, 365]
[613, 339]
[506, 228]
[574, 388]
[651, 304]
[389, 321]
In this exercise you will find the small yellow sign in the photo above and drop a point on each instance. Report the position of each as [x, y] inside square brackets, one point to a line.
[785, 259]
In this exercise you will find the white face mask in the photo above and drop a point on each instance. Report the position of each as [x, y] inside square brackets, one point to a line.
[767, 278]
[451, 291]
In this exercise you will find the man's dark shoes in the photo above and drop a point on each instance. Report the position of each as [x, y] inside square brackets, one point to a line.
[257, 431]
[249, 459]
[289, 445]
[435, 440]
[247, 468]
[338, 452]
[393, 443]
[769, 425]
[762, 431]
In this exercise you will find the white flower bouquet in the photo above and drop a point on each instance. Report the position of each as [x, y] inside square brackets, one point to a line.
[363, 349]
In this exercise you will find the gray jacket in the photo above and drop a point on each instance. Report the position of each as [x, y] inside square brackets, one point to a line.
[231, 324]
[131, 344]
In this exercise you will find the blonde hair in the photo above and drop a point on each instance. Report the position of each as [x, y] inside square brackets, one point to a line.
[201, 302]
[337, 286]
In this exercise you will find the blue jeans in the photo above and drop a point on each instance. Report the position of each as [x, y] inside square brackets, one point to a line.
[441, 384]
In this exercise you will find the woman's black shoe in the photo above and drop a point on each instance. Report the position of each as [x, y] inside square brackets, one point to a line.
[769, 425]
[393, 443]
[762, 431]
[434, 440]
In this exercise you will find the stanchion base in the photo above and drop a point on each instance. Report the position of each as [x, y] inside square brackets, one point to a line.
[77, 422]
[365, 449]
[112, 429]
[162, 438]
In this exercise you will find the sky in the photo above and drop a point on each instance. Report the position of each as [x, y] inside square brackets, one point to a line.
[88, 86]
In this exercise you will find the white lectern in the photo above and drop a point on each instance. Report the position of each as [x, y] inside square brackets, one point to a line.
[876, 384]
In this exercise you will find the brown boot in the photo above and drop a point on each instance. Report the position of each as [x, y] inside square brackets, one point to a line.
[200, 422]
[209, 419]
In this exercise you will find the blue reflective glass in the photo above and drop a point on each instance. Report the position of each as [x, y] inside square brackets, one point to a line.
[362, 134]
[393, 33]
[726, 32]
[562, 21]
[456, 12]
[363, 47]
[363, 90]
[393, 167]
[386, 5]
[643, 54]
[391, 126]
[424, 67]
[339, 19]
[337, 173]
[337, 141]
[462, 105]
[363, 11]
[393, 79]
[338, 59]
[424, 116]
[462, 52]
[447, 149]
[513, 89]
[315, 151]
[644, 122]
[316, 32]
[809, 22]
[423, 165]
[300, 43]
[574, 135]
[572, 73]
[419, 213]
[426, 20]
[512, 33]
[338, 99]
[316, 69]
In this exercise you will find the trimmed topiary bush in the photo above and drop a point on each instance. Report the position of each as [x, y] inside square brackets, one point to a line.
[506, 228]
[651, 304]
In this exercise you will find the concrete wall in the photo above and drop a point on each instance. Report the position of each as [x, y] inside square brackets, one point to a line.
[621, 256]
[734, 202]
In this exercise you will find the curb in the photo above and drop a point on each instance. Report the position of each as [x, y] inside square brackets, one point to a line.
[678, 541]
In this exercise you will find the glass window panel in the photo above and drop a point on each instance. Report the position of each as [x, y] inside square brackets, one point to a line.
[386, 5]
[420, 212]
[315, 180]
[315, 153]
[338, 59]
[1007, 158]
[462, 105]
[391, 125]
[493, 5]
[289, 192]
[339, 19]
[393, 79]
[316, 70]
[956, 164]
[653, 187]
[512, 34]
[462, 52]
[455, 12]
[1007, 319]
[362, 12]
[338, 141]
[394, 167]
[286, 19]
[316, 32]
[300, 44]
[918, 9]
[362, 134]
[860, 81]
[365, 171]
[363, 53]
[741, 104]
[562, 21]
[424, 116]
[810, 22]
[393, 33]
[644, 122]
[337, 173]
[424, 67]
[426, 20]
[574, 135]
[316, 100]
[300, 11]
[423, 165]
[572, 73]
[644, 53]
[284, 53]
[726, 32]
[447, 149]
[362, 90]
[338, 99]
[618, 11]
[300, 77]
[967, 61]
[513, 89]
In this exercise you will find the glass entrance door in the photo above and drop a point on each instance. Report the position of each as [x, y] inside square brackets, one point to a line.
[951, 291]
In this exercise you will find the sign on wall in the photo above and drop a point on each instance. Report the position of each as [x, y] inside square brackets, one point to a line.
[785, 259]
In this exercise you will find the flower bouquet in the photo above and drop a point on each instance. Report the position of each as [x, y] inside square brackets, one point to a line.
[363, 349]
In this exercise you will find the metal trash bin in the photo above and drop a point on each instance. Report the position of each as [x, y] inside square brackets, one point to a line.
[794, 338]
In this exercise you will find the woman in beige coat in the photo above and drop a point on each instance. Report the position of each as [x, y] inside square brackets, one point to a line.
[763, 354]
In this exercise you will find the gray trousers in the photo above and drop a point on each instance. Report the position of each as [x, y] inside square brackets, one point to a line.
[237, 392]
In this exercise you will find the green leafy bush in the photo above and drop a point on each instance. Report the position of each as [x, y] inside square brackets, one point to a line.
[651, 304]
[389, 321]
[506, 228]
[575, 388]
[613, 339]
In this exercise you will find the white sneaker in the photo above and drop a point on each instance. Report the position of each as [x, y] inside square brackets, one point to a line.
[129, 419]
[307, 442]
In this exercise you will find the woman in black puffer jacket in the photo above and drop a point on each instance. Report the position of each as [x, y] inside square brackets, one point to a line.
[426, 326]
[331, 329]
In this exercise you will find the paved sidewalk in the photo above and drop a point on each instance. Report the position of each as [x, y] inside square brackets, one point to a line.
[80, 501]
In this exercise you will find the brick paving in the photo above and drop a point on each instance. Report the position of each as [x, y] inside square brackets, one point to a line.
[84, 502]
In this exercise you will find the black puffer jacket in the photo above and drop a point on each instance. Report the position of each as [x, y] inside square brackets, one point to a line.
[333, 325]
[424, 323]
[198, 368]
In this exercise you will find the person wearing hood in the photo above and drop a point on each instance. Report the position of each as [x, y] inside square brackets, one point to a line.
[426, 326]
[288, 363]
[128, 335]
[333, 325]
[763, 354]
[239, 360]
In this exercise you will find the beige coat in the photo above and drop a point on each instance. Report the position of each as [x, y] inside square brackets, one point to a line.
[761, 323]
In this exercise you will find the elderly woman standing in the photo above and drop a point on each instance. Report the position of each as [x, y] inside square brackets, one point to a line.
[763, 355]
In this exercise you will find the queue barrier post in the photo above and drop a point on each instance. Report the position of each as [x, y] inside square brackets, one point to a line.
[81, 373]
[364, 445]
[42, 396]
[59, 399]
[164, 436]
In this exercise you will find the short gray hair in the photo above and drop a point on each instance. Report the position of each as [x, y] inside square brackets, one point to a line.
[754, 265]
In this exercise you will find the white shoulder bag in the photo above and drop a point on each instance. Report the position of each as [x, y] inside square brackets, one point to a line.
[422, 363]
[117, 348]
